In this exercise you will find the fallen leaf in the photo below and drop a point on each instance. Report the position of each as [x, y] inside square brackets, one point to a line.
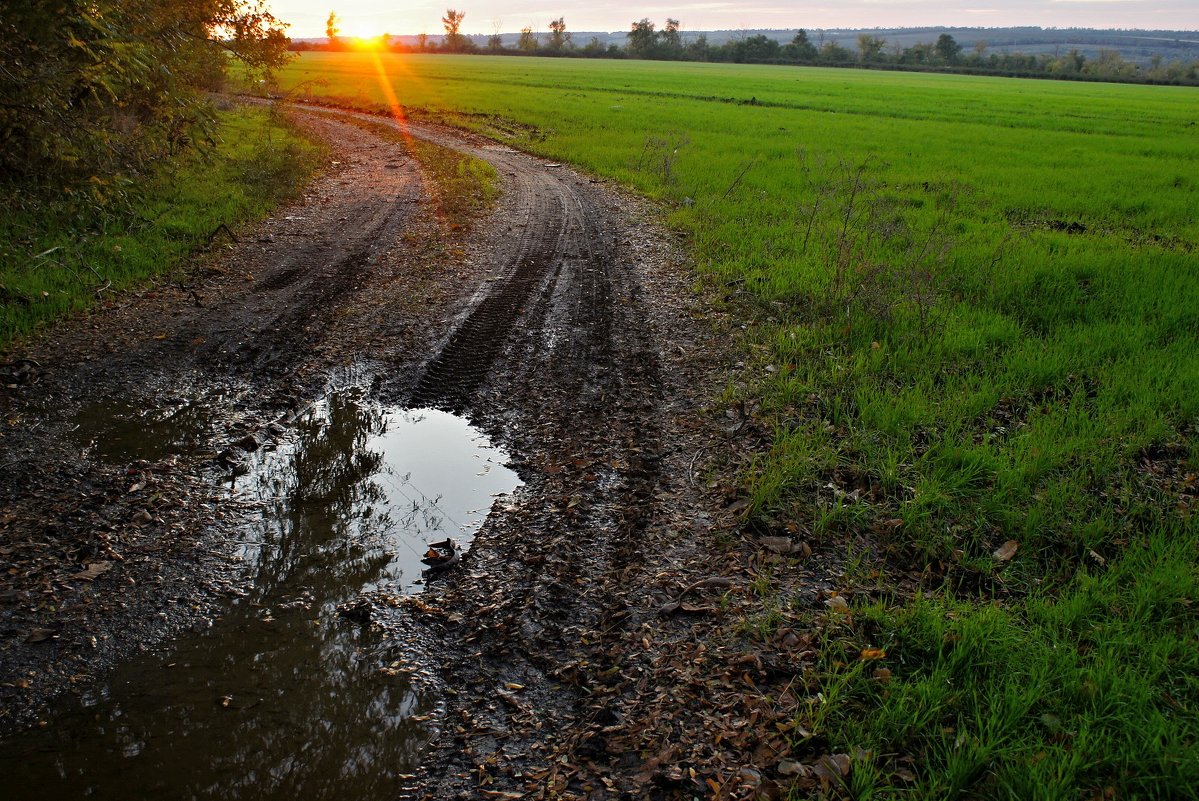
[92, 571]
[869, 654]
[832, 767]
[40, 635]
[882, 675]
[789, 767]
[1006, 551]
[837, 603]
[786, 546]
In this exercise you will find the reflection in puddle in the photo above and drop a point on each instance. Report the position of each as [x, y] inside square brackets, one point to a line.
[282, 698]
[120, 433]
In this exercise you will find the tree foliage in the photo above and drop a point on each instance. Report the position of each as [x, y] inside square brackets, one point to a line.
[452, 21]
[528, 40]
[643, 39]
[559, 36]
[91, 90]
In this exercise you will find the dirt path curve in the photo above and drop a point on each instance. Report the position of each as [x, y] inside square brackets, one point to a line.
[586, 356]
[566, 329]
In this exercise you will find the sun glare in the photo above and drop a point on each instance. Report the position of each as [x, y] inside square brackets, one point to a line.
[369, 42]
[363, 38]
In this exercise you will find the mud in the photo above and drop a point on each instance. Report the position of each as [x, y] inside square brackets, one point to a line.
[567, 331]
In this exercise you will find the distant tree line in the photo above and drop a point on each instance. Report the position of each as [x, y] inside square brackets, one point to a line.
[646, 41]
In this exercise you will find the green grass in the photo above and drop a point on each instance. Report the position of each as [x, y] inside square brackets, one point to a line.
[464, 187]
[975, 303]
[1089, 689]
[54, 258]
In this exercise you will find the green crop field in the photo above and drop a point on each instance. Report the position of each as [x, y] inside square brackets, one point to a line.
[972, 312]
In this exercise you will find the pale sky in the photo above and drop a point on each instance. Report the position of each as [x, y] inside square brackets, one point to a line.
[371, 17]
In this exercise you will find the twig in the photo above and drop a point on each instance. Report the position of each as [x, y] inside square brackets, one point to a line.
[216, 231]
[745, 167]
[106, 282]
[691, 466]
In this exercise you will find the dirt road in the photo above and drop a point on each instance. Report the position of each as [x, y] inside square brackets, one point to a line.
[561, 324]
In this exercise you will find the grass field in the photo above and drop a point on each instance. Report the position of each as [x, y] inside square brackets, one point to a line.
[59, 258]
[973, 329]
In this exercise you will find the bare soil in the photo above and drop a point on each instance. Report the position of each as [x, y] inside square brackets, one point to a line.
[564, 323]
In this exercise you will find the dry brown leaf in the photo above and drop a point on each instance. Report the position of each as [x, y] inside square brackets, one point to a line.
[40, 635]
[1006, 551]
[869, 654]
[832, 767]
[837, 603]
[92, 571]
[789, 767]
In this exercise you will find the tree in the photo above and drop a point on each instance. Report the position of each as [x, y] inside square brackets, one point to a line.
[559, 36]
[672, 41]
[643, 40]
[528, 40]
[453, 22]
[947, 49]
[495, 42]
[835, 53]
[870, 48]
[332, 28]
[93, 89]
[800, 48]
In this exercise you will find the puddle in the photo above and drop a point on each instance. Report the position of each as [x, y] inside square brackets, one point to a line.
[282, 697]
[120, 433]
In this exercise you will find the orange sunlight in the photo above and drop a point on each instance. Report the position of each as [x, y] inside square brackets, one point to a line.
[374, 43]
[393, 102]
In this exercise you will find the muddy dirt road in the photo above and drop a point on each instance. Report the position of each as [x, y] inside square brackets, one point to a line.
[560, 324]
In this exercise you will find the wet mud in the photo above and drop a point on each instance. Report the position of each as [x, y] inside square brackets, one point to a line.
[202, 424]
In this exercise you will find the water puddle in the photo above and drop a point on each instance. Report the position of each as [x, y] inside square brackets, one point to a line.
[120, 433]
[283, 697]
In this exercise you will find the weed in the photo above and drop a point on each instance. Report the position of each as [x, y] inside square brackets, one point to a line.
[659, 155]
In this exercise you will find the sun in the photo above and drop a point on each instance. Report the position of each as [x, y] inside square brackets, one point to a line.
[364, 38]
[369, 42]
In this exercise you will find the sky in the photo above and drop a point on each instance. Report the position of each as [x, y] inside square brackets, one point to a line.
[372, 17]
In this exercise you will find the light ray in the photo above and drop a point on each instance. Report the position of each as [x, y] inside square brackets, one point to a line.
[393, 101]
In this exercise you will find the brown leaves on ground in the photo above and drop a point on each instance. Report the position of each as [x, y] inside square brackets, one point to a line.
[1005, 552]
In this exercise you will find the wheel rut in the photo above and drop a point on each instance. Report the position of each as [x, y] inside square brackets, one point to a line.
[561, 333]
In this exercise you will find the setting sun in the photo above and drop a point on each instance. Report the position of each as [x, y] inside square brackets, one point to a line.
[368, 42]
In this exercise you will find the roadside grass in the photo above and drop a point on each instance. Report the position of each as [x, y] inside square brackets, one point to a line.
[972, 327]
[55, 260]
[463, 187]
[1087, 692]
[466, 187]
